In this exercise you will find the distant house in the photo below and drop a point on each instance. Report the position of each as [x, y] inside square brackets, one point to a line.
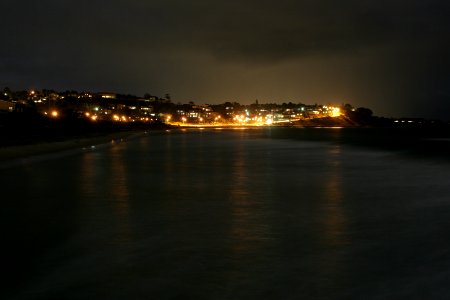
[107, 95]
[7, 106]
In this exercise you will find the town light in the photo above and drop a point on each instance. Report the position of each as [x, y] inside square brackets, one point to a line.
[335, 112]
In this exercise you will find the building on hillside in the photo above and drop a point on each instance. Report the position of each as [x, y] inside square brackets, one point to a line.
[107, 95]
[7, 106]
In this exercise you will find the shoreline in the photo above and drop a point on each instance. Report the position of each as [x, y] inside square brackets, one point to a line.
[21, 153]
[416, 139]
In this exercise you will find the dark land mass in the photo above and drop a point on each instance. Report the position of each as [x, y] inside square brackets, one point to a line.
[25, 129]
[29, 134]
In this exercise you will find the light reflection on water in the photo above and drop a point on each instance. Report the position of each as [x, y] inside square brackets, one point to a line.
[231, 215]
[335, 234]
[334, 218]
[107, 187]
[248, 227]
[120, 194]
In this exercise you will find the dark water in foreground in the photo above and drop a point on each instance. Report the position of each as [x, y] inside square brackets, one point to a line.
[227, 214]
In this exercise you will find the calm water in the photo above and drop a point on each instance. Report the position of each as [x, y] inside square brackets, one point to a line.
[227, 214]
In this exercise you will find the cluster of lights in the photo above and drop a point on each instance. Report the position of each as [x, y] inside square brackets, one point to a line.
[333, 111]
[119, 118]
[53, 113]
[92, 117]
[245, 118]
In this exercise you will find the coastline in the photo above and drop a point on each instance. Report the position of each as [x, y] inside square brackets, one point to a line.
[28, 147]
[28, 135]
[15, 153]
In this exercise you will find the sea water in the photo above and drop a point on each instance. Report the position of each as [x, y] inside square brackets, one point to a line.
[281, 213]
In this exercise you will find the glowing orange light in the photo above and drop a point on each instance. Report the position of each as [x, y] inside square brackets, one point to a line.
[335, 112]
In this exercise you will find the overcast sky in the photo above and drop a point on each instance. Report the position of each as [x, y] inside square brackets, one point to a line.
[391, 56]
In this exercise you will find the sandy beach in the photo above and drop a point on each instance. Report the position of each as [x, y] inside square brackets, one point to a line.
[23, 152]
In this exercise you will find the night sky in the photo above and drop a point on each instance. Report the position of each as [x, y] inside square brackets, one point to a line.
[391, 56]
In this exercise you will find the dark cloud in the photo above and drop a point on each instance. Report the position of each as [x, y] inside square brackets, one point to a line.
[388, 55]
[268, 30]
